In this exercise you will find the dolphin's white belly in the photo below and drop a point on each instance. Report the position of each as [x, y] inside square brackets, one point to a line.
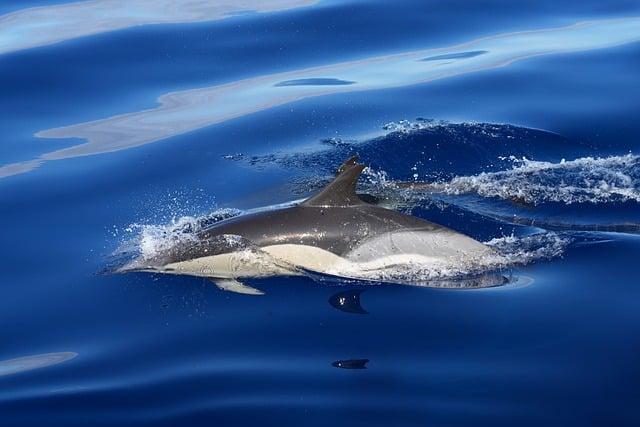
[439, 249]
[232, 265]
[442, 245]
[275, 260]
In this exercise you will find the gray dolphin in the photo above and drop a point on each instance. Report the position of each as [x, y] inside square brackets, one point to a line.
[334, 232]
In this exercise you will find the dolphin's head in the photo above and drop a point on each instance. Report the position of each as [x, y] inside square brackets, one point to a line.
[190, 254]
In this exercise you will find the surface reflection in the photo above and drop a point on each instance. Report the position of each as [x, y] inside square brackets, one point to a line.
[480, 281]
[184, 111]
[351, 364]
[460, 55]
[46, 25]
[28, 363]
[314, 82]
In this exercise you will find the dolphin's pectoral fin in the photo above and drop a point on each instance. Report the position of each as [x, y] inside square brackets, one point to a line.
[232, 285]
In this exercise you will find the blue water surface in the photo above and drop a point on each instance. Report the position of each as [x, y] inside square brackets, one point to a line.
[522, 114]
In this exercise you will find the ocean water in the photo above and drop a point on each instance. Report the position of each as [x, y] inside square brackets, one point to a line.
[127, 125]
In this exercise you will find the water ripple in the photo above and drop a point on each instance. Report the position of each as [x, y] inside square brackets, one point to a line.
[185, 111]
[41, 26]
[314, 82]
[459, 55]
[28, 363]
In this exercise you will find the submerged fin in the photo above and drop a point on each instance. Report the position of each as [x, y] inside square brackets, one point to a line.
[342, 190]
[232, 285]
[348, 301]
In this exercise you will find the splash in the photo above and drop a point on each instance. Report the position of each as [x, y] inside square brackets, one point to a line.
[410, 126]
[461, 129]
[144, 242]
[508, 252]
[583, 180]
[513, 250]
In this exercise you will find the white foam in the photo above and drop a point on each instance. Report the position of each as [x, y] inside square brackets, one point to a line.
[408, 126]
[587, 179]
[509, 252]
[491, 130]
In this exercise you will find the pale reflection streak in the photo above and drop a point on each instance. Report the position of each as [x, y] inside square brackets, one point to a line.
[185, 111]
[41, 26]
[28, 363]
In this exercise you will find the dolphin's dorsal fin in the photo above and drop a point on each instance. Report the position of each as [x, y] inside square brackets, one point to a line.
[342, 190]
[351, 161]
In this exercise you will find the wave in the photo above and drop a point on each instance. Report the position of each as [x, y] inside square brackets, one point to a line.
[428, 149]
[584, 180]
[586, 194]
[507, 173]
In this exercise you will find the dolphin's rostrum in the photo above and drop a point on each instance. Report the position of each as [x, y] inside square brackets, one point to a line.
[334, 232]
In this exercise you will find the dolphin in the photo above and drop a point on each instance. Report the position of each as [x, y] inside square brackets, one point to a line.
[335, 232]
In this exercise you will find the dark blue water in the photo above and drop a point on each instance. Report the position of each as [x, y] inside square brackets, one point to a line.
[503, 120]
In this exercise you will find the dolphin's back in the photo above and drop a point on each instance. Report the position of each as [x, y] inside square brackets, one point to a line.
[335, 229]
[337, 221]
